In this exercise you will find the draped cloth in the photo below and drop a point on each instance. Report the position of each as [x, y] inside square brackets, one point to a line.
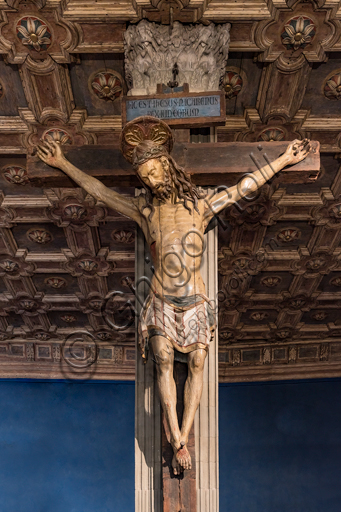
[188, 323]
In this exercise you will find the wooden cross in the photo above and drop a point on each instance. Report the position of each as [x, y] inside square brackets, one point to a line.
[209, 164]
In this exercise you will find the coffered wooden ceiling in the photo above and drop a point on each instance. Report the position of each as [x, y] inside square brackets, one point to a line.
[62, 76]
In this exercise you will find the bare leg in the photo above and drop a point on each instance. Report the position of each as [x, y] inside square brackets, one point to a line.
[192, 395]
[164, 358]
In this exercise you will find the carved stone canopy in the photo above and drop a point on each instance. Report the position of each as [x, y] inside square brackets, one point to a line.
[151, 50]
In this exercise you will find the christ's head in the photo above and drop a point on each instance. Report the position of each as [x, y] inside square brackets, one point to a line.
[154, 173]
[161, 175]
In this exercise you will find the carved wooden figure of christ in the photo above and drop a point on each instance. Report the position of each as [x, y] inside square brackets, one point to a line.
[173, 215]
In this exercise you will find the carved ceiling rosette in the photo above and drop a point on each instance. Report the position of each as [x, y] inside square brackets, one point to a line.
[35, 34]
[288, 235]
[68, 319]
[298, 32]
[109, 335]
[71, 211]
[87, 265]
[232, 83]
[319, 263]
[332, 86]
[106, 84]
[319, 316]
[271, 135]
[41, 334]
[24, 304]
[336, 281]
[228, 335]
[39, 236]
[271, 281]
[57, 135]
[93, 304]
[283, 334]
[259, 316]
[55, 282]
[15, 174]
[15, 266]
[123, 236]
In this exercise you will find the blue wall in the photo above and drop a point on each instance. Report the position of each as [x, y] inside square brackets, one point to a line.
[66, 447]
[70, 447]
[280, 447]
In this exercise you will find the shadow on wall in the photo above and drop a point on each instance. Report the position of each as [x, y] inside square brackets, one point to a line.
[66, 447]
[280, 446]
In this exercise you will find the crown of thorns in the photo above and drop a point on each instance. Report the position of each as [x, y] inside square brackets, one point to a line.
[144, 129]
[153, 152]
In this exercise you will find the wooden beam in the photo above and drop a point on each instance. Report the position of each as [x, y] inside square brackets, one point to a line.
[220, 163]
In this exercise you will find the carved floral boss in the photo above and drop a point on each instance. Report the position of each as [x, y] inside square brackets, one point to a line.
[272, 135]
[57, 135]
[33, 33]
[15, 174]
[298, 32]
[232, 84]
[107, 85]
[332, 88]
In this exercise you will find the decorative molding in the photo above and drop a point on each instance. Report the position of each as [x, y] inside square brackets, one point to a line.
[37, 35]
[282, 90]
[59, 103]
[276, 37]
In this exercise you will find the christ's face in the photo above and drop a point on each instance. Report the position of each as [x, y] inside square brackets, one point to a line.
[154, 173]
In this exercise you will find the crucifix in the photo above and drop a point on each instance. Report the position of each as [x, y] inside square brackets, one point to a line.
[177, 320]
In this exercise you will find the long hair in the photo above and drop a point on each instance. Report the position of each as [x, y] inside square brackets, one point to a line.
[186, 190]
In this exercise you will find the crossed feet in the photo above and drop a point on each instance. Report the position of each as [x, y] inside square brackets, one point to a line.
[181, 459]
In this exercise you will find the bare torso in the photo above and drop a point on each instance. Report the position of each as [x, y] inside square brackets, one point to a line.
[176, 239]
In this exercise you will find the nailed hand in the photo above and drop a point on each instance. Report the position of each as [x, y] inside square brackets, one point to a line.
[51, 153]
[297, 151]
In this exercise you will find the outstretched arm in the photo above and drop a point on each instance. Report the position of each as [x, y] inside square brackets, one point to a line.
[296, 151]
[51, 153]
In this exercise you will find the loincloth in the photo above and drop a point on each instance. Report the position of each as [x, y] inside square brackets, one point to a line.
[188, 323]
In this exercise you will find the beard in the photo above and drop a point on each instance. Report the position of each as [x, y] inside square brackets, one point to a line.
[164, 191]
